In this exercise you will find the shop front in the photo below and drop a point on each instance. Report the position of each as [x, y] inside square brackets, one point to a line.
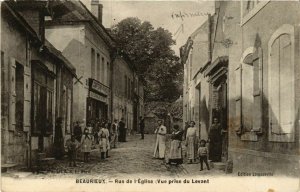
[97, 101]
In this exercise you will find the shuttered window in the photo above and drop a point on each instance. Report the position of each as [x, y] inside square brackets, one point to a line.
[257, 90]
[281, 89]
[249, 92]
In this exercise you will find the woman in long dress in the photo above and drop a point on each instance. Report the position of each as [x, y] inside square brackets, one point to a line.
[160, 144]
[86, 144]
[215, 141]
[176, 149]
[191, 142]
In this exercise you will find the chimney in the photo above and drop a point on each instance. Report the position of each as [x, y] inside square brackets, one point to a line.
[97, 10]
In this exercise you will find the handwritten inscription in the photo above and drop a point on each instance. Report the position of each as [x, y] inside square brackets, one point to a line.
[183, 15]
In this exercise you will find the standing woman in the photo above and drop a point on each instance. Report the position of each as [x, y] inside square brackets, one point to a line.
[215, 141]
[176, 149]
[86, 144]
[160, 144]
[191, 142]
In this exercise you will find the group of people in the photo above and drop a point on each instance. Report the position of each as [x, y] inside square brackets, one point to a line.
[195, 148]
[100, 135]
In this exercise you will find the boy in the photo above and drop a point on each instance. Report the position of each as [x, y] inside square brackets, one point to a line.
[202, 153]
[72, 145]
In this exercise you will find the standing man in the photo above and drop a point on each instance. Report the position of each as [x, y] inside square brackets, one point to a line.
[160, 145]
[114, 133]
[122, 130]
[142, 127]
[77, 131]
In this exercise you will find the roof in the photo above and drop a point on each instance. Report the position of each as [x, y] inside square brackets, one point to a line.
[10, 7]
[49, 47]
[203, 25]
[68, 12]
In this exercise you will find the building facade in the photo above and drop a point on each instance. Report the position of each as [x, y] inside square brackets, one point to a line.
[32, 72]
[123, 78]
[253, 83]
[84, 41]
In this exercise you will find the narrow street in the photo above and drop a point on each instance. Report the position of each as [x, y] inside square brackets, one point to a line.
[132, 158]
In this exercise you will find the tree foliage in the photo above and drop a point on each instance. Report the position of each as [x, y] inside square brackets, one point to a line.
[150, 51]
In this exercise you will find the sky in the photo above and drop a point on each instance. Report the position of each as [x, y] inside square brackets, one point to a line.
[165, 14]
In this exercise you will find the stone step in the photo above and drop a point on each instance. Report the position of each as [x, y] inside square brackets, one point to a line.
[5, 167]
[219, 165]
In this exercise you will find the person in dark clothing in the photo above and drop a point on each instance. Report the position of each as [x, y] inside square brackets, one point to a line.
[77, 131]
[58, 139]
[176, 149]
[215, 141]
[114, 133]
[122, 130]
[142, 127]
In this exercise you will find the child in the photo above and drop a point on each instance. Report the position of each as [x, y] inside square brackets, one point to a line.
[103, 140]
[72, 145]
[86, 144]
[202, 153]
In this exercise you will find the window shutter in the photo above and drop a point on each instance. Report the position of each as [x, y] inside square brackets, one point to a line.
[257, 90]
[12, 93]
[27, 98]
[238, 100]
[286, 91]
[274, 89]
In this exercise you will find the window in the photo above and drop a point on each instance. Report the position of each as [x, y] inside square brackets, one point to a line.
[249, 92]
[36, 105]
[281, 79]
[42, 105]
[103, 70]
[19, 96]
[98, 67]
[108, 74]
[4, 99]
[49, 117]
[93, 63]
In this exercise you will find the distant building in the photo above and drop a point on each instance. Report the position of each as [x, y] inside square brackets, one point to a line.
[37, 85]
[123, 82]
[250, 82]
[108, 86]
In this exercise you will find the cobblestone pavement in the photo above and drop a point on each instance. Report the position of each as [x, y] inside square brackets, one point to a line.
[134, 157]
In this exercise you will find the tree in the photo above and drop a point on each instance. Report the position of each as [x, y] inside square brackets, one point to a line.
[151, 53]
